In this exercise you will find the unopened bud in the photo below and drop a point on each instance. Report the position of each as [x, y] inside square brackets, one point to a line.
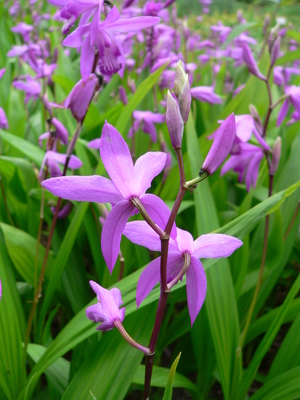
[275, 50]
[275, 156]
[256, 117]
[183, 91]
[266, 24]
[174, 120]
[221, 146]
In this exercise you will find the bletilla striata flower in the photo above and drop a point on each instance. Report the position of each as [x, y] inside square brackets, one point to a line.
[107, 310]
[102, 35]
[128, 182]
[206, 246]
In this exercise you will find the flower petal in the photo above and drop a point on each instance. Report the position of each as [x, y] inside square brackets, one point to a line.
[147, 167]
[84, 188]
[87, 58]
[215, 245]
[132, 24]
[112, 231]
[195, 287]
[139, 232]
[117, 160]
[148, 279]
[158, 211]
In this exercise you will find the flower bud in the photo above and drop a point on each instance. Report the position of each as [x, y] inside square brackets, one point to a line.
[266, 24]
[256, 117]
[221, 146]
[183, 91]
[174, 120]
[275, 156]
[251, 63]
[275, 50]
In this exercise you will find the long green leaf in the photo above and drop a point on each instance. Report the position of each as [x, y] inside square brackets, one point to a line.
[170, 382]
[141, 92]
[266, 342]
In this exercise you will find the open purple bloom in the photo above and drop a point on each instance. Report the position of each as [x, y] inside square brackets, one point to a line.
[102, 35]
[146, 120]
[107, 310]
[206, 94]
[127, 183]
[206, 246]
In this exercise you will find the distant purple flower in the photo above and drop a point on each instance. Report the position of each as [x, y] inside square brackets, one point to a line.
[2, 72]
[31, 87]
[127, 182]
[60, 132]
[146, 120]
[107, 310]
[206, 246]
[222, 30]
[52, 160]
[101, 35]
[23, 29]
[206, 94]
[3, 119]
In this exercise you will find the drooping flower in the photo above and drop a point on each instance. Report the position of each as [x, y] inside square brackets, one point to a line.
[30, 86]
[128, 182]
[293, 97]
[250, 62]
[206, 246]
[80, 97]
[107, 310]
[221, 146]
[3, 119]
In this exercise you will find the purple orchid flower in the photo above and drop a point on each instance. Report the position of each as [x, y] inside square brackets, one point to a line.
[23, 29]
[293, 93]
[107, 310]
[52, 159]
[60, 132]
[31, 87]
[128, 182]
[2, 72]
[206, 246]
[111, 57]
[146, 120]
[206, 94]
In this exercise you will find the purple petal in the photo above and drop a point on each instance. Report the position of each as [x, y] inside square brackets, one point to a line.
[221, 146]
[132, 24]
[253, 169]
[147, 167]
[158, 211]
[117, 160]
[148, 279]
[87, 58]
[195, 287]
[215, 245]
[139, 232]
[62, 132]
[84, 188]
[205, 93]
[149, 128]
[75, 39]
[112, 231]
[185, 241]
[250, 62]
[283, 111]
[94, 144]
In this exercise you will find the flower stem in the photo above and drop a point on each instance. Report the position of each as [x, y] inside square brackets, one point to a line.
[128, 338]
[136, 202]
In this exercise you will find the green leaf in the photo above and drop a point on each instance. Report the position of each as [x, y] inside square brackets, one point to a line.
[266, 342]
[33, 152]
[21, 248]
[169, 387]
[12, 328]
[290, 56]
[294, 35]
[62, 258]
[285, 386]
[137, 98]
[57, 374]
